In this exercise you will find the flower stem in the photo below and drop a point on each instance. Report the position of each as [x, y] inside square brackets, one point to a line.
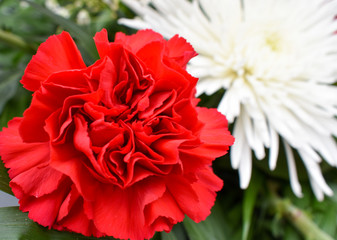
[299, 219]
[15, 41]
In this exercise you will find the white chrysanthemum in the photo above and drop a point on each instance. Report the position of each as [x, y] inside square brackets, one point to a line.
[277, 60]
[54, 6]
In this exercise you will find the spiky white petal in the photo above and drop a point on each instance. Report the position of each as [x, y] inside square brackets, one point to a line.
[277, 60]
[295, 184]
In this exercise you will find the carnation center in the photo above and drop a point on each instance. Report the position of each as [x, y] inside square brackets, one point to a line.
[127, 125]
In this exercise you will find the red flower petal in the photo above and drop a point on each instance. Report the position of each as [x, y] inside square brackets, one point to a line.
[206, 187]
[14, 152]
[102, 43]
[179, 50]
[137, 41]
[49, 98]
[195, 197]
[181, 189]
[68, 203]
[163, 213]
[77, 221]
[120, 212]
[214, 134]
[45, 209]
[39, 180]
[118, 148]
[57, 53]
[69, 161]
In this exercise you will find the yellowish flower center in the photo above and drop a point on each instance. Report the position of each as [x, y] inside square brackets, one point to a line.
[273, 41]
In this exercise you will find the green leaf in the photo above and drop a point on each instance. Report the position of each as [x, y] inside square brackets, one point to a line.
[16, 41]
[15, 225]
[213, 228]
[299, 219]
[15, 106]
[8, 85]
[85, 39]
[211, 101]
[327, 218]
[25, 22]
[169, 236]
[177, 233]
[4, 179]
[249, 201]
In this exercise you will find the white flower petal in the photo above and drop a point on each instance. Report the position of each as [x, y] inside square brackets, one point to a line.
[315, 174]
[241, 156]
[239, 145]
[294, 183]
[230, 104]
[245, 168]
[327, 147]
[277, 62]
[317, 190]
[254, 142]
[274, 148]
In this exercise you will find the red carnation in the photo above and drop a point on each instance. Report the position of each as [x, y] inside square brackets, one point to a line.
[118, 148]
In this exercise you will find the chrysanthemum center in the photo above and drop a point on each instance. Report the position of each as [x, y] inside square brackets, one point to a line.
[262, 53]
[273, 41]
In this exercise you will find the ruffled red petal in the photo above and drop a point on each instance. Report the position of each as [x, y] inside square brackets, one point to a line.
[139, 40]
[120, 212]
[163, 213]
[45, 209]
[57, 53]
[48, 99]
[179, 51]
[215, 135]
[118, 148]
[15, 153]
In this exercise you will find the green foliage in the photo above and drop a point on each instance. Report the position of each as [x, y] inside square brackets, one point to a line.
[8, 85]
[76, 31]
[212, 228]
[16, 225]
[249, 200]
[177, 233]
[4, 179]
[18, 18]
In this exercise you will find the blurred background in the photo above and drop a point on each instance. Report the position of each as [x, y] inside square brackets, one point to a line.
[7, 200]
[266, 210]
